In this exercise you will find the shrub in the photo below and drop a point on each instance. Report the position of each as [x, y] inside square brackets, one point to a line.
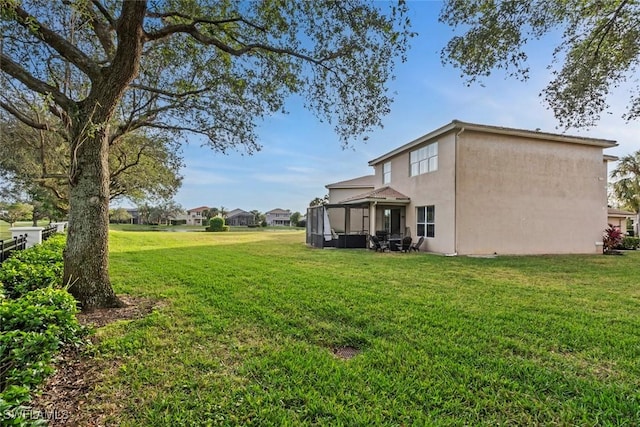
[217, 224]
[38, 267]
[630, 243]
[36, 320]
[611, 239]
[33, 328]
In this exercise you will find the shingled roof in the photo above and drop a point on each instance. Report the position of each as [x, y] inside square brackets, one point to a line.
[360, 182]
[383, 194]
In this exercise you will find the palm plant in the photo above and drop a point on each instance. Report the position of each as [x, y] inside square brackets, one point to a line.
[626, 186]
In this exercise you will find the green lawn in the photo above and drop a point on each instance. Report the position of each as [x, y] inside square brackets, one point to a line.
[250, 321]
[178, 228]
[4, 228]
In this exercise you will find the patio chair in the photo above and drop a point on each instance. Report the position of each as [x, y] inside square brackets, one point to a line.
[378, 245]
[406, 244]
[416, 246]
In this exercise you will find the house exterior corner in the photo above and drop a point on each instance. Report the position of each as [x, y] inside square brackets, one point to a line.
[518, 195]
[473, 189]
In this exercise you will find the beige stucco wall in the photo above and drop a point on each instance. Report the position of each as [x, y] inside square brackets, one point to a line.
[524, 196]
[337, 216]
[336, 195]
[433, 188]
[618, 222]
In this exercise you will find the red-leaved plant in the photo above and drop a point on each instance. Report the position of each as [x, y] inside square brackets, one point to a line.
[612, 238]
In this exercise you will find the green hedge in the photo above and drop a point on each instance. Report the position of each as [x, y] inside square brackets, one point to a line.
[34, 327]
[35, 268]
[37, 318]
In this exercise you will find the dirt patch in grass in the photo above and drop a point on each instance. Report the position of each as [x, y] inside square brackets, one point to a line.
[134, 308]
[603, 370]
[345, 353]
[64, 395]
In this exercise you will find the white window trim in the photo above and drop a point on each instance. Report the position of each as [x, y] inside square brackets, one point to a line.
[386, 173]
[423, 160]
[426, 222]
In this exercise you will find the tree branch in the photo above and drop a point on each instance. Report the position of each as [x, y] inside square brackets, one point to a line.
[133, 124]
[101, 30]
[126, 165]
[169, 94]
[606, 28]
[216, 22]
[19, 73]
[54, 189]
[191, 30]
[104, 12]
[176, 128]
[23, 117]
[130, 34]
[53, 176]
[62, 46]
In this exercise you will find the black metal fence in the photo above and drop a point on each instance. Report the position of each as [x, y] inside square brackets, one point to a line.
[9, 245]
[48, 231]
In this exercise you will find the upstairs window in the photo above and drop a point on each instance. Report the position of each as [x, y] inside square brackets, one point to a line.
[386, 173]
[424, 159]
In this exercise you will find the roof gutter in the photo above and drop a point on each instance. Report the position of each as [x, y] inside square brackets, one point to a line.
[457, 124]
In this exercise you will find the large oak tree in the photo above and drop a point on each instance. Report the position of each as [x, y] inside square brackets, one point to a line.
[214, 68]
[598, 48]
[34, 164]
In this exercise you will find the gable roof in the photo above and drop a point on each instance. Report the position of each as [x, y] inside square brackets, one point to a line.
[383, 194]
[360, 182]
[198, 209]
[278, 210]
[619, 213]
[457, 125]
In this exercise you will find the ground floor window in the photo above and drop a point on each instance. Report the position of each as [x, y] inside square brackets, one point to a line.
[426, 223]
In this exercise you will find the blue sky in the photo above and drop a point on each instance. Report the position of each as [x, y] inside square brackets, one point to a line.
[300, 155]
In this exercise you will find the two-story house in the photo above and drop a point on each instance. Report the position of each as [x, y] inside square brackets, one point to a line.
[195, 216]
[477, 189]
[278, 217]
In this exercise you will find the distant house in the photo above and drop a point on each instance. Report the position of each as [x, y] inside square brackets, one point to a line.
[475, 189]
[238, 217]
[618, 218]
[278, 217]
[195, 216]
[135, 215]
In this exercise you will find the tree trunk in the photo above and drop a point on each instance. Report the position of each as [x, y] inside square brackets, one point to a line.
[86, 257]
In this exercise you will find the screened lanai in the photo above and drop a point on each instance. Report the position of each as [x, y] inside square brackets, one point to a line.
[349, 223]
[338, 226]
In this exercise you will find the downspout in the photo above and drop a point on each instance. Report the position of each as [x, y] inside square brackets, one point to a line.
[455, 193]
